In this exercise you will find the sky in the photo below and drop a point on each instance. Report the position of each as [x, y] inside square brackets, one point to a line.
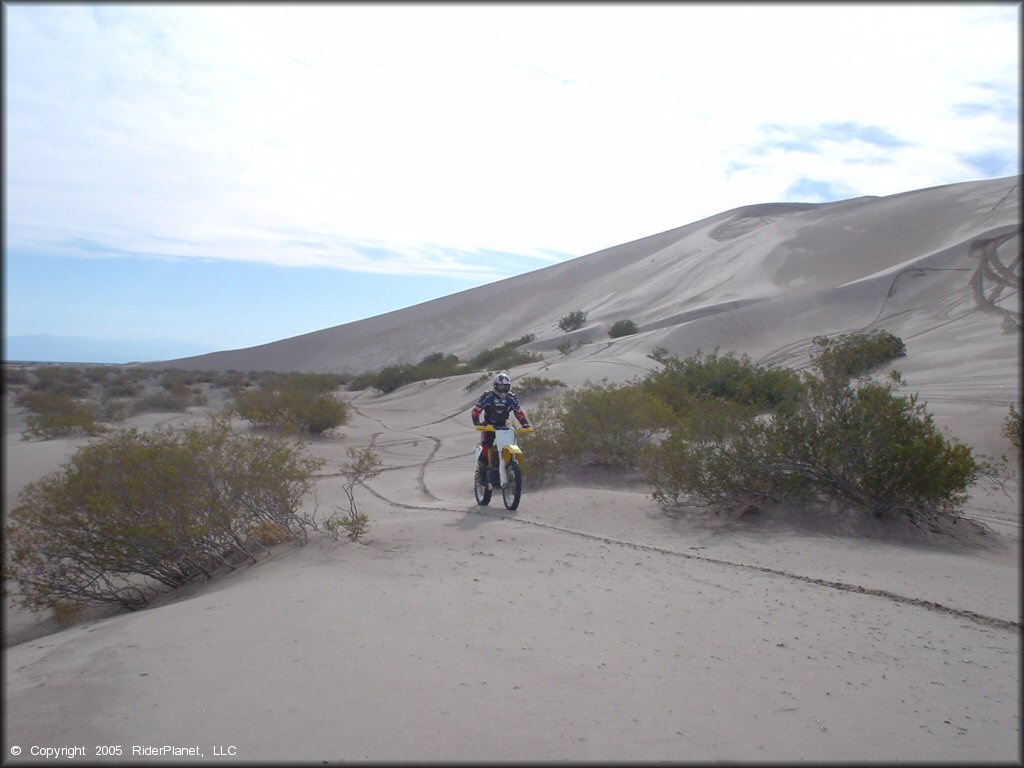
[228, 175]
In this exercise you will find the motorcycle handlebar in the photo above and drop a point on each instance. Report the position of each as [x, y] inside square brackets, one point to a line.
[491, 428]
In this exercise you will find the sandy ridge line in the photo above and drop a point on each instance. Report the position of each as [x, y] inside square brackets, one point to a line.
[931, 605]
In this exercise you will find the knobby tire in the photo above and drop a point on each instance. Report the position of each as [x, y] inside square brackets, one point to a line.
[511, 493]
[481, 491]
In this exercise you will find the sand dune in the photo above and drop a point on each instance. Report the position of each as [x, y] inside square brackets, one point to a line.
[591, 625]
[750, 253]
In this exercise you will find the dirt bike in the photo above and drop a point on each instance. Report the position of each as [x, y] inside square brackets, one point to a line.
[510, 473]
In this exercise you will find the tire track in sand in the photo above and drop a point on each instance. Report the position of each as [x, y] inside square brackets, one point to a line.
[931, 605]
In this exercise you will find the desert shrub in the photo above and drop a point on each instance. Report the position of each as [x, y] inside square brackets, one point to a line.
[97, 374]
[361, 381]
[57, 414]
[855, 354]
[267, 533]
[881, 451]
[15, 377]
[311, 382]
[121, 386]
[597, 425]
[729, 376]
[135, 511]
[1012, 427]
[233, 381]
[393, 377]
[164, 401]
[67, 612]
[478, 382]
[526, 338]
[573, 321]
[717, 455]
[60, 379]
[299, 402]
[436, 366]
[622, 328]
[858, 443]
[507, 355]
[363, 464]
[180, 385]
[175, 395]
[528, 384]
[567, 346]
[175, 377]
[110, 409]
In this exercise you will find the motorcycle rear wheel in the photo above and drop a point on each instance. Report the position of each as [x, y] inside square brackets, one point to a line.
[511, 493]
[481, 490]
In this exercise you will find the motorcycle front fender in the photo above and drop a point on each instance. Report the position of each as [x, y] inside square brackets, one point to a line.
[513, 452]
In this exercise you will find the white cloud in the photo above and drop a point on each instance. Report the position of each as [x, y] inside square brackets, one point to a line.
[405, 138]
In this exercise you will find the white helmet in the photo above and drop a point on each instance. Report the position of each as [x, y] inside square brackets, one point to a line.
[502, 384]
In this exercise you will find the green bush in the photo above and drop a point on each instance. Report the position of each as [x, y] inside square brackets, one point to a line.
[120, 386]
[438, 365]
[503, 357]
[113, 408]
[529, 384]
[573, 321]
[15, 377]
[566, 346]
[386, 380]
[717, 456]
[55, 413]
[97, 374]
[135, 511]
[363, 464]
[393, 377]
[622, 328]
[172, 378]
[299, 402]
[597, 425]
[478, 382]
[855, 354]
[180, 385]
[233, 381]
[860, 444]
[165, 401]
[60, 379]
[322, 383]
[730, 376]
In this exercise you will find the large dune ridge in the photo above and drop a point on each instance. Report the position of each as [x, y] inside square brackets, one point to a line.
[592, 624]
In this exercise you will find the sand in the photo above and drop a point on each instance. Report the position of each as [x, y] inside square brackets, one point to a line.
[591, 624]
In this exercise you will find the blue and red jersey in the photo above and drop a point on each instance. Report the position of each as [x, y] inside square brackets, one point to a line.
[495, 409]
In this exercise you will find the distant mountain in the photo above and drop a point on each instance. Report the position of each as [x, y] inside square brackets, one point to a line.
[44, 348]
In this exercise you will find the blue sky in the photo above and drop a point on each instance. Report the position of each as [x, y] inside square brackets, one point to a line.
[235, 174]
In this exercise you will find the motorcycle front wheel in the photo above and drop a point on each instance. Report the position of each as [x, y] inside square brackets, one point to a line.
[481, 490]
[510, 493]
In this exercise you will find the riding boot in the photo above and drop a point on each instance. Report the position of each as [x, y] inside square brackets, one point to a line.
[493, 477]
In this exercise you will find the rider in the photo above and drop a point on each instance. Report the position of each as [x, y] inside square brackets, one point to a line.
[495, 405]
